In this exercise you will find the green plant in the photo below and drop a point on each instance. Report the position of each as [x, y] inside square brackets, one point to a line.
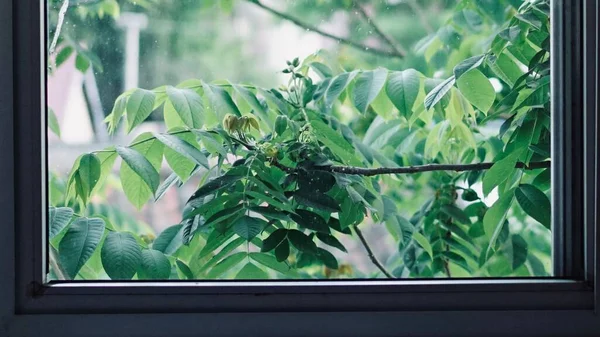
[286, 173]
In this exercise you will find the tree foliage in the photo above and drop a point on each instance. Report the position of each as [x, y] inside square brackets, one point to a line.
[289, 174]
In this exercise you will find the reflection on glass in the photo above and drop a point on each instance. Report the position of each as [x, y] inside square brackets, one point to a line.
[298, 139]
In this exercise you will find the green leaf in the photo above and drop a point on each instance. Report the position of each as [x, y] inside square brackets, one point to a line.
[327, 258]
[220, 101]
[274, 240]
[117, 113]
[367, 87]
[506, 69]
[169, 240]
[270, 213]
[275, 102]
[456, 213]
[543, 180]
[171, 180]
[531, 19]
[335, 142]
[224, 214]
[214, 185]
[136, 188]
[301, 241]
[494, 218]
[139, 164]
[315, 181]
[281, 124]
[59, 218]
[321, 69]
[63, 55]
[185, 270]
[500, 171]
[180, 164]
[310, 221]
[89, 171]
[226, 264]
[424, 243]
[351, 214]
[214, 241]
[332, 241]
[468, 65]
[155, 266]
[270, 262]
[188, 105]
[316, 200]
[477, 89]
[457, 260]
[184, 148]
[437, 93]
[139, 106]
[121, 255]
[251, 272]
[79, 243]
[535, 203]
[247, 227]
[249, 97]
[403, 89]
[282, 251]
[81, 63]
[518, 251]
[337, 86]
[53, 122]
[271, 201]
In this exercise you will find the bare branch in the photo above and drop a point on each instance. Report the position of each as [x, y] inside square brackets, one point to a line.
[314, 29]
[425, 168]
[399, 49]
[59, 24]
[371, 255]
[58, 271]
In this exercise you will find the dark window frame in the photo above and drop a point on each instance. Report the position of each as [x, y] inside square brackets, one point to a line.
[566, 305]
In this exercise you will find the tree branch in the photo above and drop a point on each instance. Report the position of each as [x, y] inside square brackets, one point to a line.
[425, 168]
[314, 29]
[59, 24]
[367, 18]
[371, 255]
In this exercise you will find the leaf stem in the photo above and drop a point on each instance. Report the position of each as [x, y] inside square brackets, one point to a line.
[370, 253]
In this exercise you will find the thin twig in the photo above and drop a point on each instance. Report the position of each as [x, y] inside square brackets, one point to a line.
[59, 23]
[390, 42]
[421, 14]
[371, 255]
[314, 29]
[60, 274]
[447, 268]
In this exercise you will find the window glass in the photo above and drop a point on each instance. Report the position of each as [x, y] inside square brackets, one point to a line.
[298, 139]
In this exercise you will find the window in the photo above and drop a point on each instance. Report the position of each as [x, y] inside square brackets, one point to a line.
[287, 158]
[280, 179]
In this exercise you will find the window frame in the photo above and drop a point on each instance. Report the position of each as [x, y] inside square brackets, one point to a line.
[566, 305]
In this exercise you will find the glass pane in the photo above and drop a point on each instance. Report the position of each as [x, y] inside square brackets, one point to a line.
[298, 139]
